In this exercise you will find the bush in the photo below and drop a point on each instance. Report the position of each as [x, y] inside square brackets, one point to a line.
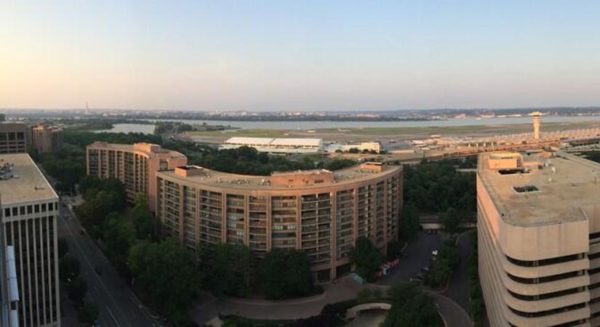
[87, 313]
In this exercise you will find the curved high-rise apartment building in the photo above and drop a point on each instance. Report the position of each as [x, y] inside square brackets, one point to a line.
[539, 239]
[134, 165]
[318, 211]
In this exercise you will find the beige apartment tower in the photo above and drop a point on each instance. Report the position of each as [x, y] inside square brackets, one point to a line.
[134, 165]
[539, 239]
[320, 212]
[29, 210]
[46, 139]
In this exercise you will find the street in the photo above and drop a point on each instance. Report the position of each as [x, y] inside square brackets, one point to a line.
[117, 304]
[418, 256]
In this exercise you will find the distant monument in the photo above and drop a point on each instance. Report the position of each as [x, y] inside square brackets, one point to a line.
[536, 119]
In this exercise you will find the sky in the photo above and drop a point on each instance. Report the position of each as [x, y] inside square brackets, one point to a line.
[299, 55]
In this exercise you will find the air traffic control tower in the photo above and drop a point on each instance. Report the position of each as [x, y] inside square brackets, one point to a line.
[536, 119]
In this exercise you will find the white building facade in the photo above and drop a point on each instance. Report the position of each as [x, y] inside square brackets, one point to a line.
[276, 145]
[29, 211]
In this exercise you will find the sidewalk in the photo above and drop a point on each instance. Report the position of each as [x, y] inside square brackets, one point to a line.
[344, 289]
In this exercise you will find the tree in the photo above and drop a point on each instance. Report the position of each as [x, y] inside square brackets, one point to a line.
[411, 307]
[451, 221]
[145, 224]
[227, 269]
[337, 164]
[366, 258]
[102, 197]
[76, 289]
[285, 273]
[87, 313]
[119, 236]
[441, 269]
[435, 186]
[409, 221]
[165, 274]
[68, 268]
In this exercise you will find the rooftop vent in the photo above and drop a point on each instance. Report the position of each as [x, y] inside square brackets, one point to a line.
[7, 171]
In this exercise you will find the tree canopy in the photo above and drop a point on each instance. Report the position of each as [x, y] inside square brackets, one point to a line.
[409, 221]
[227, 269]
[366, 258]
[284, 274]
[166, 274]
[411, 307]
[435, 186]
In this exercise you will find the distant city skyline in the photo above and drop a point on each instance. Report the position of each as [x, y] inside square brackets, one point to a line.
[299, 56]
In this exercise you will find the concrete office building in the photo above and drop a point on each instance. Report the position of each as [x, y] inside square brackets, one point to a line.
[134, 165]
[539, 239]
[14, 138]
[46, 139]
[29, 212]
[318, 211]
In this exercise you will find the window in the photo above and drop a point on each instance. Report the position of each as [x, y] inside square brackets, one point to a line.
[43, 207]
[22, 210]
[15, 211]
[7, 212]
[525, 189]
[29, 209]
[37, 208]
[512, 171]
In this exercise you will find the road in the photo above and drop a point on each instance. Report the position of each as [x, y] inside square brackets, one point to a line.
[458, 288]
[418, 256]
[117, 304]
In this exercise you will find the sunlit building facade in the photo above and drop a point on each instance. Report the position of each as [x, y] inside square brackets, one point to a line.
[134, 165]
[320, 212]
[539, 239]
[46, 139]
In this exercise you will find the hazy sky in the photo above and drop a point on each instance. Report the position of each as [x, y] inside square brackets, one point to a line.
[299, 55]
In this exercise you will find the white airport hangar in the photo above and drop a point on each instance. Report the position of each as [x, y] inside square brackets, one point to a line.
[276, 145]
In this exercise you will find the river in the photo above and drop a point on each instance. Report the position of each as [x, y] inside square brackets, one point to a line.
[308, 125]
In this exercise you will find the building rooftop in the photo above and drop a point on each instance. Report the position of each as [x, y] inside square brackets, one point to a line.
[249, 140]
[147, 148]
[296, 142]
[21, 180]
[540, 188]
[281, 180]
[265, 141]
